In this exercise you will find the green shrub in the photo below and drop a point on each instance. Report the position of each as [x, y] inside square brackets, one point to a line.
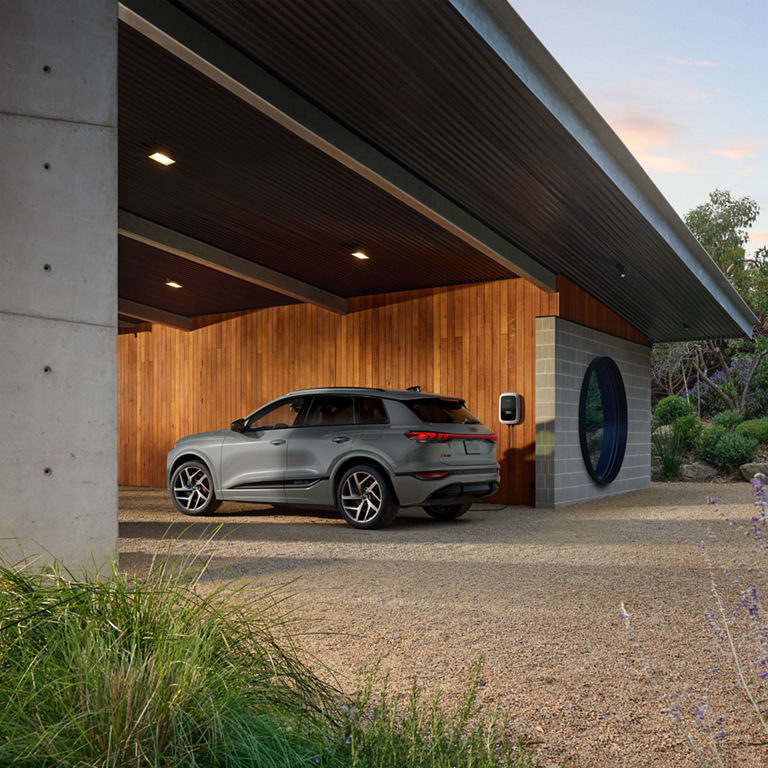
[122, 672]
[728, 419]
[687, 428]
[116, 672]
[706, 442]
[670, 408]
[734, 449]
[757, 428]
[667, 449]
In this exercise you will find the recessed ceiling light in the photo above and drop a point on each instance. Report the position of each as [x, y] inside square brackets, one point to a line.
[360, 255]
[173, 284]
[163, 159]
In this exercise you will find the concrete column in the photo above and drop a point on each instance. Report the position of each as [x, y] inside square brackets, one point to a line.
[58, 280]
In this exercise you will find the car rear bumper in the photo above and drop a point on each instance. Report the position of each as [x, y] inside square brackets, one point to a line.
[460, 493]
[454, 488]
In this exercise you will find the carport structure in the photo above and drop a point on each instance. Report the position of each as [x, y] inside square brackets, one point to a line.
[511, 237]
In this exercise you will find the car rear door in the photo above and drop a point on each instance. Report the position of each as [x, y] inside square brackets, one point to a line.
[327, 433]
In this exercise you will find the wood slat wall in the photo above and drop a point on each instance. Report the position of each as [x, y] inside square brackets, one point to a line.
[473, 340]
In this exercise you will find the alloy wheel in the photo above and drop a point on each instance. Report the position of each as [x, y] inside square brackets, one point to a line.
[362, 497]
[192, 488]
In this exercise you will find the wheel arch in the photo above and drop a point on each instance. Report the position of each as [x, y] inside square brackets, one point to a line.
[192, 456]
[352, 461]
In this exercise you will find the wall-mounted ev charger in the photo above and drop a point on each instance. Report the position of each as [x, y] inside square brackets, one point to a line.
[510, 408]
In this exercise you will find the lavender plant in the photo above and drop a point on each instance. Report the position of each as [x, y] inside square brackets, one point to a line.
[732, 380]
[738, 618]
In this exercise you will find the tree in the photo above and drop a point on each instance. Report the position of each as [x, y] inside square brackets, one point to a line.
[722, 227]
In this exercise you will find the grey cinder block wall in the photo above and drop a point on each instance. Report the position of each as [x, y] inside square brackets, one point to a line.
[58, 280]
[564, 350]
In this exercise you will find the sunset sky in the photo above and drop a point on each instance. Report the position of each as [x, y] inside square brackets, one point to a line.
[682, 82]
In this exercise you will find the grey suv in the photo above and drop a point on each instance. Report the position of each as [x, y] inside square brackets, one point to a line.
[365, 451]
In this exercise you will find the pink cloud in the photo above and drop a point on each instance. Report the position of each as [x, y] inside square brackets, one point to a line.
[758, 239]
[738, 149]
[701, 63]
[643, 132]
[660, 164]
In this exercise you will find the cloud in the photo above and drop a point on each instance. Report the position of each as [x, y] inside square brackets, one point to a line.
[738, 149]
[660, 164]
[647, 136]
[643, 132]
[700, 63]
[758, 239]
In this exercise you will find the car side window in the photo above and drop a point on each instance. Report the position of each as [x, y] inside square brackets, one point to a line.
[371, 410]
[280, 416]
[327, 410]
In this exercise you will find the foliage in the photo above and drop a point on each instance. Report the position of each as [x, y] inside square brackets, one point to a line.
[119, 672]
[667, 448]
[732, 379]
[385, 731]
[726, 371]
[727, 419]
[115, 672]
[722, 225]
[734, 449]
[671, 408]
[757, 428]
[706, 442]
[672, 369]
[687, 428]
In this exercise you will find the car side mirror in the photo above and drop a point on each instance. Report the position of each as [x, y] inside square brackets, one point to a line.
[238, 425]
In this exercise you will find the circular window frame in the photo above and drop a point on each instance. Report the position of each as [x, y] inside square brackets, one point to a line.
[614, 402]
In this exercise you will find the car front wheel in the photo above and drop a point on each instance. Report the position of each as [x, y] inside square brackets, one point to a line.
[446, 511]
[192, 489]
[365, 498]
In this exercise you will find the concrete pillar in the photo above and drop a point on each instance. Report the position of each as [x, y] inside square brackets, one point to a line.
[58, 280]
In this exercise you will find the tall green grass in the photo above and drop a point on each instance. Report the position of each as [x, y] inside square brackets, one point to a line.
[117, 672]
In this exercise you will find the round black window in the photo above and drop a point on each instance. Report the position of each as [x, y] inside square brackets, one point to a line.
[603, 420]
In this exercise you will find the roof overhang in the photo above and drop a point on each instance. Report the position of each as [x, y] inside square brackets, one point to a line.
[474, 159]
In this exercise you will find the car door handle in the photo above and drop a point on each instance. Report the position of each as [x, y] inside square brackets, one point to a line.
[340, 439]
[279, 441]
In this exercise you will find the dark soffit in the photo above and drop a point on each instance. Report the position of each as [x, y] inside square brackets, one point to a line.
[245, 185]
[419, 83]
[144, 270]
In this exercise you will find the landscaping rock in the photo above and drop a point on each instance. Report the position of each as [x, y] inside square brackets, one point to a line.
[750, 469]
[698, 472]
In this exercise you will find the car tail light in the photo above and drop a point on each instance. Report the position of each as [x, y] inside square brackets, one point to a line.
[431, 475]
[423, 436]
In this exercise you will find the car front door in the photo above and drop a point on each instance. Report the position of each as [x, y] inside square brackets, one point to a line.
[253, 462]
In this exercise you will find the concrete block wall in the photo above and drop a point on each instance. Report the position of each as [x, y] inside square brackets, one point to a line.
[58, 280]
[563, 352]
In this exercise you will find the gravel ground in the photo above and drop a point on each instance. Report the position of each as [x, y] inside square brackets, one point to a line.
[534, 592]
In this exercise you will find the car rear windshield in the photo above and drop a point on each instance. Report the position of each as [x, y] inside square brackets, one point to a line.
[442, 410]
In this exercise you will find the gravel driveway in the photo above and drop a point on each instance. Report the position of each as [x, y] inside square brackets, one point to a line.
[535, 592]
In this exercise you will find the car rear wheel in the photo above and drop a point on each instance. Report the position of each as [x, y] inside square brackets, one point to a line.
[192, 489]
[446, 511]
[365, 498]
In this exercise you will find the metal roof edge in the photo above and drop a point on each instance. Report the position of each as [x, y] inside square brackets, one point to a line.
[512, 40]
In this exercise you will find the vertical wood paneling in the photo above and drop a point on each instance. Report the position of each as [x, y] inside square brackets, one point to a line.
[473, 340]
[580, 307]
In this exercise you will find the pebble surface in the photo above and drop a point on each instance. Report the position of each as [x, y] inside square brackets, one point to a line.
[535, 593]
